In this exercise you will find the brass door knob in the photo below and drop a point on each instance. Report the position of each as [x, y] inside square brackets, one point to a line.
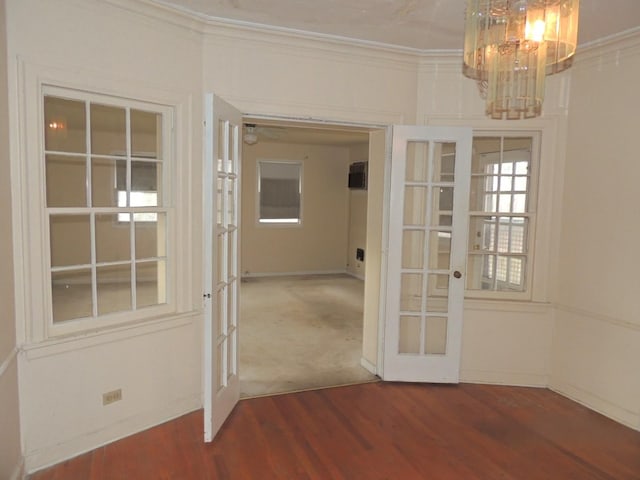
[457, 274]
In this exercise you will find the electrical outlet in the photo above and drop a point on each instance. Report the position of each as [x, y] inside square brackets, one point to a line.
[112, 396]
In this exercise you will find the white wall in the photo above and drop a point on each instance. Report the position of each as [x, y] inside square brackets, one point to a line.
[357, 217]
[597, 332]
[101, 47]
[10, 443]
[317, 245]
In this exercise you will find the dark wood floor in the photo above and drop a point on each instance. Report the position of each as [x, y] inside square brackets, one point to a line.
[379, 431]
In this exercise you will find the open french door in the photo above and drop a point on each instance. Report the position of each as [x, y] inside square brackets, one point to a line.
[429, 196]
[221, 189]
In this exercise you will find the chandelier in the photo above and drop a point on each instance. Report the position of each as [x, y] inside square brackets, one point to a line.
[511, 45]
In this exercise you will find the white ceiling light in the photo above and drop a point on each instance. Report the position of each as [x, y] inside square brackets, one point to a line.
[509, 47]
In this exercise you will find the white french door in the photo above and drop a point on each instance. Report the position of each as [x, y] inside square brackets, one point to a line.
[429, 196]
[223, 131]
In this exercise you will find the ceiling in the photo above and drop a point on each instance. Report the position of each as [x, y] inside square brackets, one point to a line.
[419, 24]
[425, 25]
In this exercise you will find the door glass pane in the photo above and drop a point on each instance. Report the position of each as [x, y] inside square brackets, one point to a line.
[233, 304]
[71, 294]
[231, 343]
[114, 288]
[417, 167]
[231, 263]
[231, 184]
[411, 292]
[70, 237]
[435, 335]
[444, 162]
[442, 199]
[439, 249]
[145, 137]
[108, 130]
[150, 283]
[150, 237]
[65, 125]
[413, 249]
[219, 200]
[113, 239]
[437, 293]
[220, 304]
[222, 125]
[222, 259]
[66, 181]
[415, 205]
[108, 182]
[220, 367]
[409, 335]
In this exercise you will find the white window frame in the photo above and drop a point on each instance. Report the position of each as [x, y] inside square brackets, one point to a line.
[530, 214]
[111, 320]
[279, 222]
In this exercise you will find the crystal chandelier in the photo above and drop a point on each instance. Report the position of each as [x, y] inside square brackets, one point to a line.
[509, 47]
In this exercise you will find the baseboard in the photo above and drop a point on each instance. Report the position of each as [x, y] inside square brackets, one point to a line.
[293, 274]
[598, 404]
[355, 275]
[18, 472]
[370, 367]
[46, 457]
[515, 379]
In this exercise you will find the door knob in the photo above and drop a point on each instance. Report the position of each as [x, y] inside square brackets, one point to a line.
[457, 274]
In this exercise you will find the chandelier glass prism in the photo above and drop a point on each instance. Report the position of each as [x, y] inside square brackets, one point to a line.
[511, 45]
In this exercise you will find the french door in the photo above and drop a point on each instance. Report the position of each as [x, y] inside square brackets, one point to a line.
[429, 196]
[223, 130]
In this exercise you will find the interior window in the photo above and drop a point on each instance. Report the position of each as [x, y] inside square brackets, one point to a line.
[500, 214]
[106, 206]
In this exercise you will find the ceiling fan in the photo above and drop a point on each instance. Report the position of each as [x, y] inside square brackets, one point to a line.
[253, 132]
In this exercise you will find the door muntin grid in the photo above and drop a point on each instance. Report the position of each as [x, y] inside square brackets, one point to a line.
[427, 213]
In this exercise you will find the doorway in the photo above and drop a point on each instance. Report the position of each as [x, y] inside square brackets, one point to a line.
[302, 294]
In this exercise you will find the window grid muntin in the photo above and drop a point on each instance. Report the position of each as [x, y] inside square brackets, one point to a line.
[522, 182]
[162, 136]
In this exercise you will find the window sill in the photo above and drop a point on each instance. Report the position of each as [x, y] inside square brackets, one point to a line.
[86, 339]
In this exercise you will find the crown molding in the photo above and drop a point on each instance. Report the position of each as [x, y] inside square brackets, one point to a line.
[608, 49]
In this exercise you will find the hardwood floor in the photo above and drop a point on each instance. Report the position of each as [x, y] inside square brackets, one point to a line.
[379, 431]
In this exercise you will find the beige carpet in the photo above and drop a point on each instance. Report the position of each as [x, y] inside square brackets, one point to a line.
[298, 333]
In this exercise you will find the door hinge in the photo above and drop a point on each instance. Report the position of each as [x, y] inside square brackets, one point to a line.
[206, 295]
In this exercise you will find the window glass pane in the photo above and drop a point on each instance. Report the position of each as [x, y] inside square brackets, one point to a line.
[66, 181]
[65, 125]
[442, 199]
[150, 236]
[151, 283]
[114, 288]
[145, 134]
[481, 147]
[106, 174]
[71, 294]
[113, 239]
[145, 179]
[279, 192]
[70, 237]
[108, 130]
